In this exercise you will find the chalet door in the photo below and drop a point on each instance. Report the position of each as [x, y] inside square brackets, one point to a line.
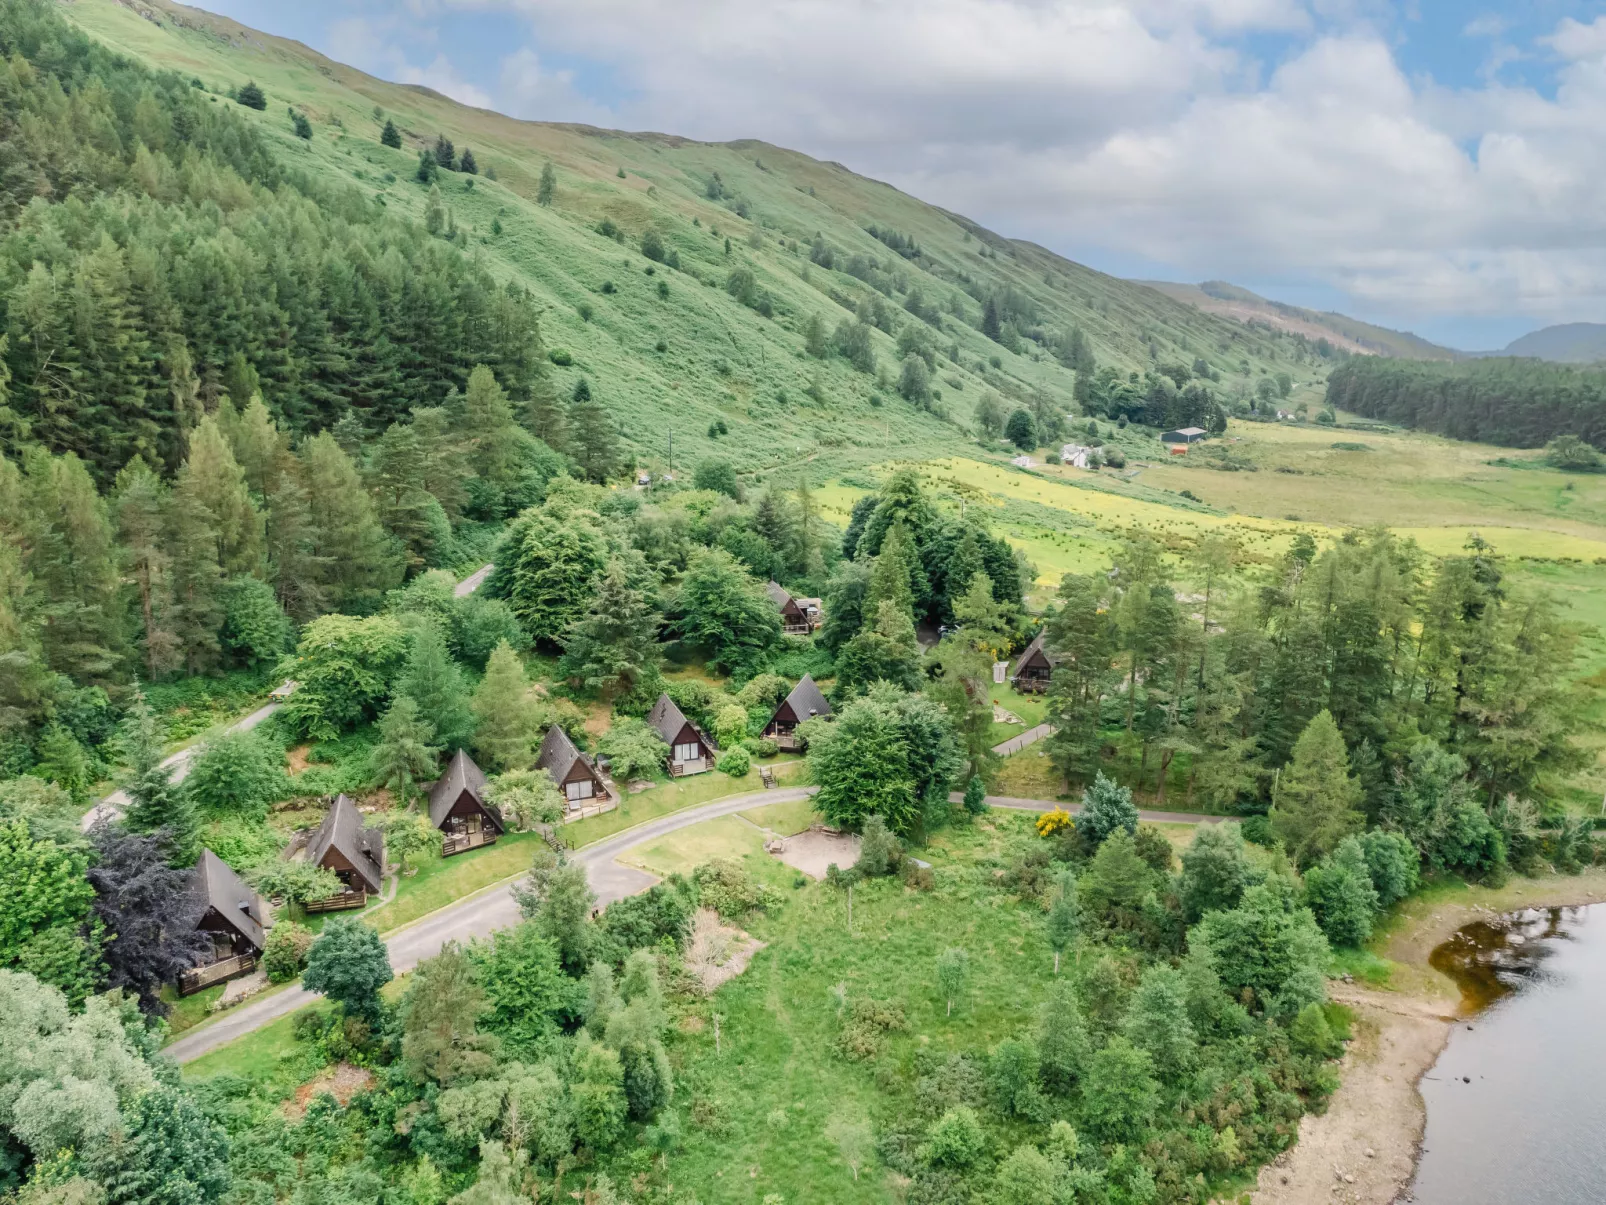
[688, 752]
[472, 823]
[576, 791]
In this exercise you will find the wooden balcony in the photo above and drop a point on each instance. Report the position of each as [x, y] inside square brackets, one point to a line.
[343, 902]
[681, 769]
[456, 843]
[798, 629]
[787, 742]
[201, 978]
[1030, 686]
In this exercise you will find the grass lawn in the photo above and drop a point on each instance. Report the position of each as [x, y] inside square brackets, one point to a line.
[755, 1114]
[681, 852]
[186, 1012]
[1028, 775]
[1031, 708]
[673, 796]
[268, 1057]
[783, 819]
[441, 881]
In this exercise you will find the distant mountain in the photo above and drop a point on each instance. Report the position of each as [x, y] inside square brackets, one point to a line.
[1349, 334]
[1570, 343]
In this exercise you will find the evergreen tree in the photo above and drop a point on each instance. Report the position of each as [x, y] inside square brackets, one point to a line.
[404, 754]
[441, 1042]
[548, 187]
[725, 611]
[213, 480]
[614, 646]
[354, 559]
[1157, 1022]
[140, 500]
[1107, 807]
[990, 325]
[71, 556]
[1317, 802]
[557, 896]
[260, 450]
[1021, 430]
[890, 579]
[445, 152]
[196, 615]
[509, 722]
[301, 126]
[155, 804]
[883, 652]
[251, 96]
[435, 684]
[466, 163]
[814, 340]
[1081, 638]
[147, 910]
[390, 136]
[593, 441]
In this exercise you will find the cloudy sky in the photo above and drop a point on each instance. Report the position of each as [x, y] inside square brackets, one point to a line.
[1437, 165]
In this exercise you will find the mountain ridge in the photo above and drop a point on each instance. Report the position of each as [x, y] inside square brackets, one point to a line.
[691, 347]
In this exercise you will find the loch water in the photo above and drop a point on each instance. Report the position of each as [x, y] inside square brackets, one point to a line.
[1516, 1103]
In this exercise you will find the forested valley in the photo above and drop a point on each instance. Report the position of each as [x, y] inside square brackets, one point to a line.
[261, 426]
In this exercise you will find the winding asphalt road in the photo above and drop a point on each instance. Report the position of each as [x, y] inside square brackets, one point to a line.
[494, 908]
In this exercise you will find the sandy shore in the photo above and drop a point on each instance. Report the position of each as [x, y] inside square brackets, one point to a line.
[1363, 1150]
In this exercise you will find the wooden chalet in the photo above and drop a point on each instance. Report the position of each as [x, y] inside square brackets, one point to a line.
[231, 914]
[796, 619]
[690, 750]
[458, 808]
[1033, 668]
[572, 770]
[804, 703]
[356, 855]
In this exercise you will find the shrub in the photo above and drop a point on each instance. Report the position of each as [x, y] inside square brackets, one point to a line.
[251, 97]
[285, 952]
[879, 851]
[725, 885]
[633, 750]
[735, 761]
[561, 357]
[763, 746]
[866, 1026]
[1049, 822]
[954, 1140]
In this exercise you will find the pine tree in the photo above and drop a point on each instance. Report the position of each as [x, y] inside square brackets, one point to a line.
[435, 684]
[156, 804]
[213, 480]
[298, 573]
[71, 555]
[390, 136]
[990, 325]
[445, 152]
[1317, 802]
[592, 439]
[251, 96]
[466, 163]
[141, 502]
[356, 560]
[614, 647]
[405, 753]
[197, 577]
[259, 449]
[890, 579]
[509, 722]
[548, 186]
[814, 340]
[546, 417]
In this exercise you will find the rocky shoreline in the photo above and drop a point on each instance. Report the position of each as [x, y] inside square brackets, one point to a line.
[1363, 1150]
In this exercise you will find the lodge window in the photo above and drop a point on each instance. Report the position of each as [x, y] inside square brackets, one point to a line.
[688, 752]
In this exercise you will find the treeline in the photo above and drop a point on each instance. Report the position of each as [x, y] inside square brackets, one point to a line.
[1446, 694]
[156, 259]
[1515, 403]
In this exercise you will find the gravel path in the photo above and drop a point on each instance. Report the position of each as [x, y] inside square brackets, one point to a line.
[473, 581]
[112, 806]
[494, 908]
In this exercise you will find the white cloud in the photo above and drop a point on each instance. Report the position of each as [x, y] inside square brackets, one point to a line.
[369, 45]
[1143, 128]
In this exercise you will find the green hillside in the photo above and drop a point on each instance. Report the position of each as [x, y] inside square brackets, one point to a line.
[1239, 304]
[721, 360]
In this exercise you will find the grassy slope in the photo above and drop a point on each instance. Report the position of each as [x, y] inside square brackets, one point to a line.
[1351, 334]
[721, 360]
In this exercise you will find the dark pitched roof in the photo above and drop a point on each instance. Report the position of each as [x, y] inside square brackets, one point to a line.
[559, 753]
[806, 699]
[666, 718]
[217, 886]
[342, 829]
[1026, 654]
[461, 775]
[778, 593]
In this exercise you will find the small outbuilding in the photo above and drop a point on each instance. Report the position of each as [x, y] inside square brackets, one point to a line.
[574, 772]
[804, 703]
[1033, 668]
[1184, 435]
[1076, 455]
[690, 749]
[350, 849]
[458, 807]
[231, 914]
